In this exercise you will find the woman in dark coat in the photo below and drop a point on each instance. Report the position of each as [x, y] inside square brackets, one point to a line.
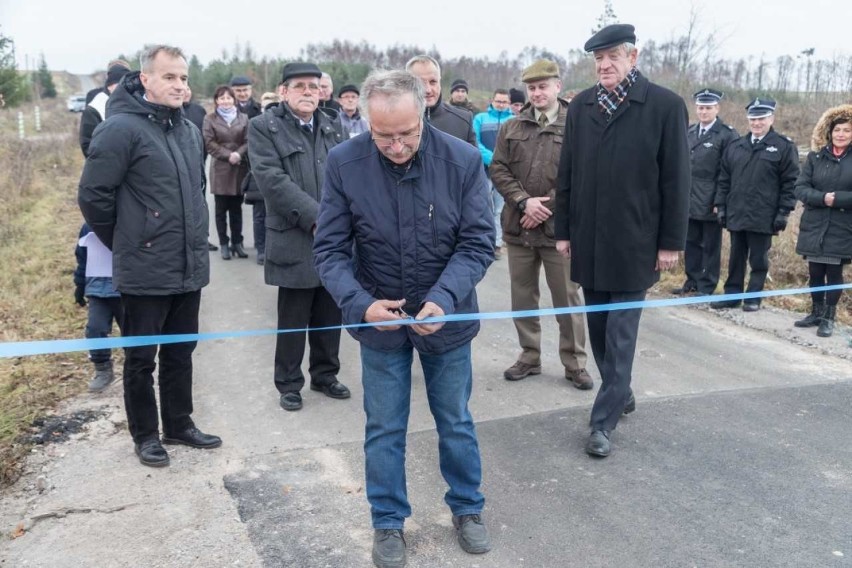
[226, 139]
[825, 231]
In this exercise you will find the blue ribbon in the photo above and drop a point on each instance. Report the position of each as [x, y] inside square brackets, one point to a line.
[27, 348]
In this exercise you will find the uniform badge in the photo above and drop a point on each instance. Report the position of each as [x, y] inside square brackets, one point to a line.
[771, 149]
[708, 144]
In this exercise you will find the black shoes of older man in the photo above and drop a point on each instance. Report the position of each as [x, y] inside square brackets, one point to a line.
[153, 454]
[293, 400]
[598, 444]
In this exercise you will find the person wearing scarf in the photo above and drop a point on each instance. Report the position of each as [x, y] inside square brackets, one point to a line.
[622, 201]
[225, 133]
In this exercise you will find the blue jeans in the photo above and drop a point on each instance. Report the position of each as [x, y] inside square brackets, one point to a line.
[497, 203]
[102, 312]
[258, 215]
[387, 402]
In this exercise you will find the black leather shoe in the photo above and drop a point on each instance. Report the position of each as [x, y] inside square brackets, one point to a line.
[750, 307]
[687, 288]
[724, 304]
[472, 534]
[334, 390]
[291, 401]
[226, 253]
[598, 444]
[194, 438]
[388, 548]
[152, 453]
[631, 405]
[237, 249]
[211, 246]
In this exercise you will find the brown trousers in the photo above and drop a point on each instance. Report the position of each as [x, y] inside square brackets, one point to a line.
[524, 268]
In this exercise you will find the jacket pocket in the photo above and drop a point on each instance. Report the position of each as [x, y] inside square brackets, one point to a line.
[151, 228]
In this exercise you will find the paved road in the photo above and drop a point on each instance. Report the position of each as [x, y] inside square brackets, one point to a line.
[86, 83]
[737, 456]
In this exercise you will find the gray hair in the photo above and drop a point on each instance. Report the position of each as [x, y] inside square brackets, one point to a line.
[423, 59]
[392, 85]
[326, 76]
[628, 47]
[146, 58]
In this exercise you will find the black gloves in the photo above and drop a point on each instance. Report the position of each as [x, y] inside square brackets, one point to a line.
[780, 223]
[721, 216]
[80, 295]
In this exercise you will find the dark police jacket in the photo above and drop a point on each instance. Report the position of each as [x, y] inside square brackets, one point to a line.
[141, 192]
[823, 230]
[706, 157]
[757, 182]
[425, 234]
[623, 187]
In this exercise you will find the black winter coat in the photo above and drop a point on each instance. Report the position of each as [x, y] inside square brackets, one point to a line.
[623, 187]
[251, 108]
[141, 192]
[288, 165]
[452, 120]
[757, 182]
[705, 156]
[823, 230]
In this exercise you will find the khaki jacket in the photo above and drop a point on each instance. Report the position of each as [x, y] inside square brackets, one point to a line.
[525, 164]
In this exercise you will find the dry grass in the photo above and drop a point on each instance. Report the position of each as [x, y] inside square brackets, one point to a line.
[39, 222]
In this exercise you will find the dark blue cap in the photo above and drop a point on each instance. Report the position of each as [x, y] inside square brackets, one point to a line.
[708, 97]
[759, 108]
[610, 36]
[300, 70]
[240, 81]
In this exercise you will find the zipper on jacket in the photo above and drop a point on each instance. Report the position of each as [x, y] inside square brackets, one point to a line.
[433, 225]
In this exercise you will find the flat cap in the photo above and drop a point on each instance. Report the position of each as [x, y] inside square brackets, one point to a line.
[517, 96]
[610, 36]
[459, 84]
[708, 97]
[348, 89]
[240, 81]
[759, 108]
[300, 69]
[540, 69]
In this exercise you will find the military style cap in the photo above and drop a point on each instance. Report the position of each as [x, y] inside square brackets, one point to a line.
[348, 89]
[759, 108]
[300, 70]
[240, 81]
[459, 84]
[610, 36]
[517, 96]
[708, 97]
[540, 69]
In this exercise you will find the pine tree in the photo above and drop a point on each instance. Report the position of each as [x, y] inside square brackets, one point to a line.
[12, 84]
[606, 18]
[45, 80]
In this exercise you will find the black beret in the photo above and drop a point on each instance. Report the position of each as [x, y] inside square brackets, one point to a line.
[459, 84]
[115, 73]
[240, 81]
[517, 96]
[348, 89]
[708, 97]
[610, 36]
[300, 70]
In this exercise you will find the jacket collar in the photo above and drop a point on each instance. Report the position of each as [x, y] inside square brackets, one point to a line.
[635, 95]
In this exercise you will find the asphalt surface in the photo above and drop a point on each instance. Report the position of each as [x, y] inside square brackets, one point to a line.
[736, 456]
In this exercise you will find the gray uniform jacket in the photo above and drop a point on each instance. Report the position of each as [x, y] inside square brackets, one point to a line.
[288, 165]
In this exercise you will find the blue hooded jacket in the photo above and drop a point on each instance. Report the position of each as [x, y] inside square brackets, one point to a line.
[486, 125]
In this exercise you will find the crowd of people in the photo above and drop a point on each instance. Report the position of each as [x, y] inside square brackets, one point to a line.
[388, 205]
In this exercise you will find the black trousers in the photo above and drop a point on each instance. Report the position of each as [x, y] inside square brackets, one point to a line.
[229, 208]
[300, 308]
[823, 275]
[159, 315]
[703, 255]
[613, 338]
[755, 248]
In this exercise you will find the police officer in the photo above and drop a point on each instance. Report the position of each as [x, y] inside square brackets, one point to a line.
[707, 140]
[754, 199]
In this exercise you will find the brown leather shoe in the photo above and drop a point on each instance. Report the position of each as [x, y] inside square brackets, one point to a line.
[581, 379]
[521, 370]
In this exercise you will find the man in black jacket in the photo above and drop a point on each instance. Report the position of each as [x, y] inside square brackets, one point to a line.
[141, 193]
[454, 121]
[756, 194]
[242, 91]
[707, 140]
[95, 111]
[622, 199]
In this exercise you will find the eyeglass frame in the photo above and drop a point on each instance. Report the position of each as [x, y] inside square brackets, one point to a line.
[301, 87]
[388, 141]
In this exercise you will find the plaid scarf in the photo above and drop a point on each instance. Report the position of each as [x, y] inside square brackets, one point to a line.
[608, 102]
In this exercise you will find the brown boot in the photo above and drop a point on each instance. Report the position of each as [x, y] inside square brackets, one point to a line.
[521, 370]
[581, 379]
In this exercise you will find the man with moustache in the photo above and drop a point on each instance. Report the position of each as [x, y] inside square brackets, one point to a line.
[621, 208]
[447, 118]
[288, 146]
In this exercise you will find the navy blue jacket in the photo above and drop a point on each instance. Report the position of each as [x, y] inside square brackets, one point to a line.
[423, 235]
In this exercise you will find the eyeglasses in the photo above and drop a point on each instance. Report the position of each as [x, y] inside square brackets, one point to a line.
[302, 87]
[405, 139]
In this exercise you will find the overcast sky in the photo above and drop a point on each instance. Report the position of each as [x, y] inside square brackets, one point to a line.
[81, 36]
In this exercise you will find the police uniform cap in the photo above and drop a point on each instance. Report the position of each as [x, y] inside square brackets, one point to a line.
[760, 108]
[708, 97]
[540, 69]
[300, 69]
[240, 81]
[610, 36]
